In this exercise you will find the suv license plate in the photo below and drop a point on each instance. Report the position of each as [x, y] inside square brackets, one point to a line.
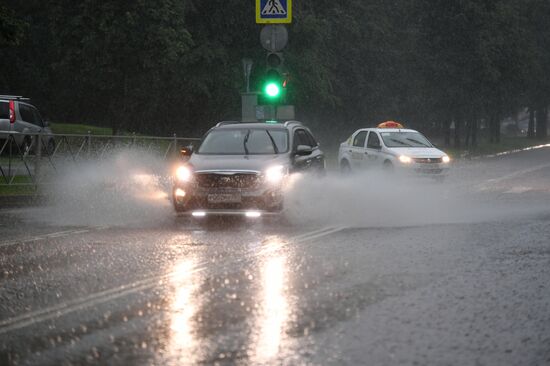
[224, 198]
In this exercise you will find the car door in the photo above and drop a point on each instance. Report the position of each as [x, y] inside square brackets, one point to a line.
[373, 150]
[357, 150]
[317, 156]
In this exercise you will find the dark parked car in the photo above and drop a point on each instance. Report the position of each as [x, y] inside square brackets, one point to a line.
[242, 168]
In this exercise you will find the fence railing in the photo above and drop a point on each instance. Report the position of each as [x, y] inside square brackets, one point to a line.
[33, 159]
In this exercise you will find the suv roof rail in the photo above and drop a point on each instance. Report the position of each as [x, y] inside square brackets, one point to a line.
[226, 123]
[14, 97]
[288, 123]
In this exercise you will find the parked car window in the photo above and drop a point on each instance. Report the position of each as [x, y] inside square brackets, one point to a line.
[359, 139]
[4, 110]
[373, 142]
[37, 118]
[26, 113]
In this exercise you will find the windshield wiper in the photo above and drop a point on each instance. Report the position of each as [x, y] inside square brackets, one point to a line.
[245, 141]
[418, 142]
[275, 149]
[400, 142]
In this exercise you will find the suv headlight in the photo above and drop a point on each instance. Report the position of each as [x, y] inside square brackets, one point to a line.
[275, 174]
[184, 174]
[446, 159]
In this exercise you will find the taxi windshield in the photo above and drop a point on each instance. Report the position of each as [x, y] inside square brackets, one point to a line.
[245, 141]
[405, 139]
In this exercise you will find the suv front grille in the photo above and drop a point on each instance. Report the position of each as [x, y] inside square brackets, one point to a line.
[237, 180]
[427, 160]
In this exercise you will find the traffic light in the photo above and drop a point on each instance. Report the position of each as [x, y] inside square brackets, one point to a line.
[274, 80]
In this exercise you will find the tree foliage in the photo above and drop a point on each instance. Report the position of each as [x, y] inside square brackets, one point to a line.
[174, 66]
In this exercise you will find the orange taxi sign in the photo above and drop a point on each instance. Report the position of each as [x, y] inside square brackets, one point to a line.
[390, 124]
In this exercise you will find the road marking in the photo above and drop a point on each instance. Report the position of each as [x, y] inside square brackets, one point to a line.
[316, 235]
[58, 234]
[516, 190]
[519, 173]
[486, 185]
[300, 237]
[98, 298]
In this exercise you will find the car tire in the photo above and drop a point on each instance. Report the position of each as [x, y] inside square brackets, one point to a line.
[345, 168]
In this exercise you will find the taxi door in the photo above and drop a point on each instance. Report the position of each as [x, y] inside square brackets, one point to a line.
[373, 150]
[357, 150]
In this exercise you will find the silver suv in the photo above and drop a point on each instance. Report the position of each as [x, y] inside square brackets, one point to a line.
[22, 120]
[243, 168]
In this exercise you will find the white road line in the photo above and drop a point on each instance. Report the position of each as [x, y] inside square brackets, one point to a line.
[299, 237]
[318, 235]
[488, 184]
[58, 234]
[518, 173]
[97, 298]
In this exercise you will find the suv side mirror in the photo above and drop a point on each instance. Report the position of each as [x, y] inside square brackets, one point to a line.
[303, 150]
[186, 151]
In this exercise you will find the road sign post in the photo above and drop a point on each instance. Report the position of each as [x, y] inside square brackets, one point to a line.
[274, 38]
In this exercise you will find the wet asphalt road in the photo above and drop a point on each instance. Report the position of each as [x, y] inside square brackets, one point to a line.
[471, 288]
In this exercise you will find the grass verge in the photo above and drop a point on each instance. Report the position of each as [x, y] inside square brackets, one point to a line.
[17, 187]
[76, 129]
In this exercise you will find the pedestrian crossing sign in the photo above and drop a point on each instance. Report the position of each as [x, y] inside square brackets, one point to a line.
[273, 11]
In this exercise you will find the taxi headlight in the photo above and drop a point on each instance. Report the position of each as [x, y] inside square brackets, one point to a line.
[275, 174]
[405, 159]
[446, 159]
[183, 174]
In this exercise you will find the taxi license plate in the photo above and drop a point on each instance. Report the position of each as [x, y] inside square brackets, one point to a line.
[224, 198]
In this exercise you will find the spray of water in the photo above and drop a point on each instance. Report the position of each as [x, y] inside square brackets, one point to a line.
[129, 187]
[132, 187]
[375, 199]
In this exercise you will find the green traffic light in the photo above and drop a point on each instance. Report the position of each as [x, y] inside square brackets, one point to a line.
[272, 90]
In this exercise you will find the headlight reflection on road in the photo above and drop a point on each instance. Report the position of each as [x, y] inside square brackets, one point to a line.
[275, 310]
[181, 344]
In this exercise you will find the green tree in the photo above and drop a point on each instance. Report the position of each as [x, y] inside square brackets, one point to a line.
[11, 28]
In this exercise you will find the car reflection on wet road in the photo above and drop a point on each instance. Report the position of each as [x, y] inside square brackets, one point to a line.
[466, 285]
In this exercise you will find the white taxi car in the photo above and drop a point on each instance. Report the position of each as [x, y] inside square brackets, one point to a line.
[390, 146]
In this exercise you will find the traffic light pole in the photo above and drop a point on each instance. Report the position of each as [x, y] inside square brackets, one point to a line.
[249, 102]
[269, 104]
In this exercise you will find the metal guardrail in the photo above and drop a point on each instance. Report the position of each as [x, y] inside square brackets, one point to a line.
[34, 160]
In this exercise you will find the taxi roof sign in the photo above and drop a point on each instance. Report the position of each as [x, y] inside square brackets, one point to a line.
[273, 11]
[390, 124]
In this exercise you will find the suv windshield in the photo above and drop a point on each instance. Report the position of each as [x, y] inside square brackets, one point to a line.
[244, 141]
[405, 139]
